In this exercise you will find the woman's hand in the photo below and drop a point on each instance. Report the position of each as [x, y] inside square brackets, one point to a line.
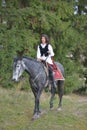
[39, 60]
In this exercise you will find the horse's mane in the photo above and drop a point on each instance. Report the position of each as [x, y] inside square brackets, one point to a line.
[32, 59]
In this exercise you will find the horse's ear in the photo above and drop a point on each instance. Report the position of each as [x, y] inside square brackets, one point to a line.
[26, 50]
[20, 53]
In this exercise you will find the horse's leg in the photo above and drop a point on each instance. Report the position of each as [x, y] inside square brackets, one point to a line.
[37, 94]
[37, 104]
[60, 91]
[36, 107]
[53, 90]
[37, 90]
[53, 86]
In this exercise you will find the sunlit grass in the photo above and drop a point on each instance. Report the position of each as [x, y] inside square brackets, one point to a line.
[16, 110]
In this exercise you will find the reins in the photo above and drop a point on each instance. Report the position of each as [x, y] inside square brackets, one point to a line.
[20, 69]
[37, 76]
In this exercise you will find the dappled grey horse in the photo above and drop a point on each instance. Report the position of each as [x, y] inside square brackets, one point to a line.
[38, 79]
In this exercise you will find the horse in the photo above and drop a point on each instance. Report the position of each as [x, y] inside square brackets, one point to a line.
[38, 79]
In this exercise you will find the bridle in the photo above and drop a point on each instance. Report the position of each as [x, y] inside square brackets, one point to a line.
[22, 65]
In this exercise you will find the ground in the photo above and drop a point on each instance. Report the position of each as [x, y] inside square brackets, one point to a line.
[16, 110]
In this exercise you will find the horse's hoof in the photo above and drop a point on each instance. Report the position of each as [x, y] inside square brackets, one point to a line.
[59, 109]
[52, 108]
[36, 116]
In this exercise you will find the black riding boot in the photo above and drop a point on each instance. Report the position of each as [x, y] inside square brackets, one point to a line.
[51, 76]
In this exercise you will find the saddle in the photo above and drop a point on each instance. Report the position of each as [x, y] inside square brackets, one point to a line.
[56, 71]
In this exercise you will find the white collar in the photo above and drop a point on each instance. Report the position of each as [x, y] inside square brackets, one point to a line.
[43, 45]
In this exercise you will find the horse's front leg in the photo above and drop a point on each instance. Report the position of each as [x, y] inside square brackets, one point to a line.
[37, 105]
[36, 108]
[37, 94]
[60, 91]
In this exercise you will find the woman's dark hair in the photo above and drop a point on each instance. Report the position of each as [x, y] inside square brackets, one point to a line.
[46, 37]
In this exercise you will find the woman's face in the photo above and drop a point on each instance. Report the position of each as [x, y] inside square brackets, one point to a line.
[43, 39]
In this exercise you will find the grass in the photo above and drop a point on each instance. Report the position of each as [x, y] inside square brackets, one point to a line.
[16, 110]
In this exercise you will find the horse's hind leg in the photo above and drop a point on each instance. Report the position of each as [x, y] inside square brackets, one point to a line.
[60, 93]
[53, 90]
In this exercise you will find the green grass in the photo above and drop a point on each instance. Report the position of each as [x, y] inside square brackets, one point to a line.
[16, 110]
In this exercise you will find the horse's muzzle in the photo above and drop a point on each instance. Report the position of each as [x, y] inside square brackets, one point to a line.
[15, 80]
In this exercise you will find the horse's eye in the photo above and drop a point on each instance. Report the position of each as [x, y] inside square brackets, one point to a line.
[17, 66]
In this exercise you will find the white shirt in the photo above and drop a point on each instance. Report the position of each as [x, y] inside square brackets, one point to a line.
[48, 58]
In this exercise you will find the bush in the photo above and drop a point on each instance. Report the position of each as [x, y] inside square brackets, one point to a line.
[21, 24]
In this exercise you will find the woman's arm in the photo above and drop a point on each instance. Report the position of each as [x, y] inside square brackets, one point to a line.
[51, 53]
[38, 52]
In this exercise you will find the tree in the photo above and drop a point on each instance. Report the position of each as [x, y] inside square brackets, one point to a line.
[26, 20]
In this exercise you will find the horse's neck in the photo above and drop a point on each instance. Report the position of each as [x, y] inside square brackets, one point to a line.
[31, 66]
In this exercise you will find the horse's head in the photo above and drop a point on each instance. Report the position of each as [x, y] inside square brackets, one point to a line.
[18, 69]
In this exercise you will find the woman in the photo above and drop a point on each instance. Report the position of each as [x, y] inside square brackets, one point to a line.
[45, 50]
[45, 54]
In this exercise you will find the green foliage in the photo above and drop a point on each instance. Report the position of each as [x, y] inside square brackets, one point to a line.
[22, 22]
[72, 84]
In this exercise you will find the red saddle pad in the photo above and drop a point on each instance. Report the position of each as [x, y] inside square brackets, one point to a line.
[58, 75]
